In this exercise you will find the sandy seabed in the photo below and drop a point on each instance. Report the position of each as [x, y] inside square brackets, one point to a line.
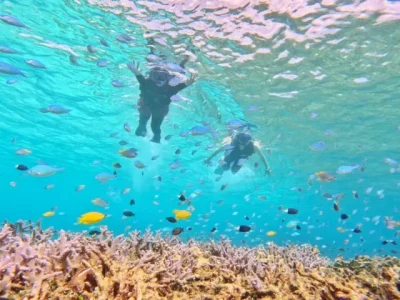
[42, 264]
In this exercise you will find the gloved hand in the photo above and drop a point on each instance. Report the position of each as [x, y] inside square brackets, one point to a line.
[134, 68]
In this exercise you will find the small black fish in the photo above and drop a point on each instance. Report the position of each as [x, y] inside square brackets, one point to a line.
[194, 152]
[255, 165]
[128, 213]
[115, 173]
[73, 59]
[247, 218]
[218, 178]
[244, 228]
[132, 202]
[357, 230]
[94, 232]
[117, 165]
[104, 42]
[336, 206]
[182, 198]
[123, 143]
[171, 219]
[159, 178]
[178, 151]
[355, 194]
[292, 211]
[168, 137]
[21, 167]
[91, 49]
[385, 242]
[394, 251]
[344, 216]
[213, 229]
[224, 187]
[298, 227]
[394, 243]
[299, 190]
[177, 231]
[189, 229]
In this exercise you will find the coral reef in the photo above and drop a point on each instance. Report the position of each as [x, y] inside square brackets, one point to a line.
[43, 264]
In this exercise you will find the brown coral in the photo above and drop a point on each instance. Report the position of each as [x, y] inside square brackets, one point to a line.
[74, 266]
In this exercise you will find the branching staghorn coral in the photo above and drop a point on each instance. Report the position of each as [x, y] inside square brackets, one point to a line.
[33, 265]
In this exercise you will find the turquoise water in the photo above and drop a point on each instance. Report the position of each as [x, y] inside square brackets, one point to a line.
[316, 72]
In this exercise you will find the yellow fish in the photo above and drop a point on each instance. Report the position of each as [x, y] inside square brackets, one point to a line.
[271, 233]
[91, 218]
[49, 214]
[181, 214]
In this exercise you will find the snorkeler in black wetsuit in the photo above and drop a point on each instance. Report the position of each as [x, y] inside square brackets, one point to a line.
[155, 94]
[241, 147]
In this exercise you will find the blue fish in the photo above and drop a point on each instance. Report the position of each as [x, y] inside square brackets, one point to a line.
[11, 70]
[117, 83]
[199, 130]
[35, 64]
[11, 81]
[12, 21]
[318, 146]
[8, 50]
[121, 39]
[43, 171]
[240, 124]
[103, 63]
[55, 109]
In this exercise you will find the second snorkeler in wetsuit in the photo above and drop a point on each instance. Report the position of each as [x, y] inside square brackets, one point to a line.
[237, 150]
[155, 94]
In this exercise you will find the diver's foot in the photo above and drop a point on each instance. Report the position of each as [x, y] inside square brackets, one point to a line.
[156, 139]
[141, 131]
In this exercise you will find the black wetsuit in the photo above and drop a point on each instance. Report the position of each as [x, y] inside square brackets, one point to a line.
[154, 102]
[233, 156]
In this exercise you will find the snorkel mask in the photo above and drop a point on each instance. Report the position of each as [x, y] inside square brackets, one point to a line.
[159, 76]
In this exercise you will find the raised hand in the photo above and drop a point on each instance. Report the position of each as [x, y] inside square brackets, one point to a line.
[192, 79]
[134, 68]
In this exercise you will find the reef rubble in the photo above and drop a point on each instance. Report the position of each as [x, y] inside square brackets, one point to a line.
[35, 265]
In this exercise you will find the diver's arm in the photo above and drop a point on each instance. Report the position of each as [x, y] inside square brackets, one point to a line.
[208, 160]
[263, 159]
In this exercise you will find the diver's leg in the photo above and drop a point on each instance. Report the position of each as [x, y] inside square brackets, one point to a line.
[144, 117]
[225, 167]
[221, 169]
[235, 168]
[158, 116]
[238, 164]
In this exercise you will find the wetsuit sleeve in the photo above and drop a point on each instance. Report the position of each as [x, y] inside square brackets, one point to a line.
[140, 78]
[176, 89]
